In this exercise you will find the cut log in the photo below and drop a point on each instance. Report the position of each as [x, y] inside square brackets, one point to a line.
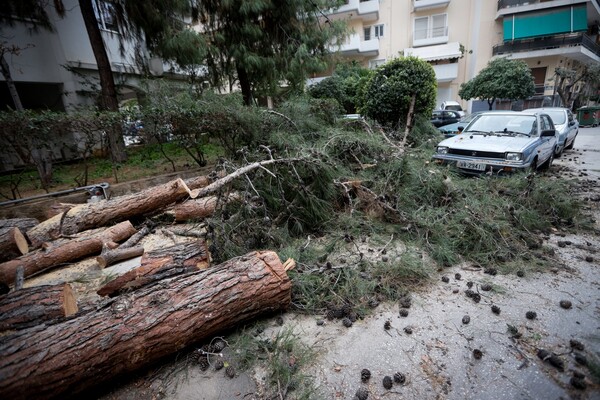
[129, 333]
[41, 260]
[12, 243]
[58, 208]
[199, 208]
[94, 215]
[109, 257]
[181, 257]
[24, 224]
[35, 305]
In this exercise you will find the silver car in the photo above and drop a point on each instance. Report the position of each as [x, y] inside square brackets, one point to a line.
[501, 142]
[566, 125]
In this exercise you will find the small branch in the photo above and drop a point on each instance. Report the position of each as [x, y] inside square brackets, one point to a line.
[284, 117]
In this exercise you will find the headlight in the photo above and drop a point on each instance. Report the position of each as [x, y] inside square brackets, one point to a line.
[442, 150]
[514, 156]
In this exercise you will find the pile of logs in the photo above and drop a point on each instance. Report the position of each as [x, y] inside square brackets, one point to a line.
[50, 347]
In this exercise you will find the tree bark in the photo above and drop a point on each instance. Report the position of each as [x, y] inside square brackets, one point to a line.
[35, 305]
[132, 332]
[109, 99]
[73, 250]
[93, 215]
[197, 208]
[181, 257]
[12, 244]
[245, 85]
[109, 257]
[24, 224]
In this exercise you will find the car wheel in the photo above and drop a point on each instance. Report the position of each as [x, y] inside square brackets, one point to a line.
[559, 152]
[548, 162]
[533, 166]
[570, 146]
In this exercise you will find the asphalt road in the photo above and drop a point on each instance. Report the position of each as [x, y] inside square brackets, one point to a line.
[586, 152]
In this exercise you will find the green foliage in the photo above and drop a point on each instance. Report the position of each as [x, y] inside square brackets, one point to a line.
[567, 87]
[389, 90]
[262, 43]
[344, 85]
[500, 79]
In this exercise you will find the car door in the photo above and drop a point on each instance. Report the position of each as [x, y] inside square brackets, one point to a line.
[547, 143]
[572, 126]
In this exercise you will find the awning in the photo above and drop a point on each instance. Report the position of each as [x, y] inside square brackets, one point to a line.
[437, 52]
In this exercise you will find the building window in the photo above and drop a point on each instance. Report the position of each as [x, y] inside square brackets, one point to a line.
[375, 31]
[106, 14]
[431, 26]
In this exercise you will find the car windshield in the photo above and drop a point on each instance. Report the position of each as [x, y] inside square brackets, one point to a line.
[558, 116]
[469, 118]
[503, 123]
[454, 108]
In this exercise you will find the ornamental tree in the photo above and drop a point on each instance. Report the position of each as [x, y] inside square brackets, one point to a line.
[388, 92]
[500, 79]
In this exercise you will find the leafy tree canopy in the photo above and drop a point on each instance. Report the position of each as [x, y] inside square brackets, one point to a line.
[388, 92]
[577, 85]
[263, 43]
[344, 85]
[500, 79]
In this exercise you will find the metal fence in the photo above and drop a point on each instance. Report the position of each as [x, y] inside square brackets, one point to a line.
[547, 42]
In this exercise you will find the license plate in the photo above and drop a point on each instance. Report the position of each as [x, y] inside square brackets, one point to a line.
[470, 165]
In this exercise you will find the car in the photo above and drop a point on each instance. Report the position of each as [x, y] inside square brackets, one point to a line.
[501, 142]
[566, 124]
[450, 105]
[441, 118]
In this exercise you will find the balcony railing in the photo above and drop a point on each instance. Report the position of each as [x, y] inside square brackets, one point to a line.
[515, 3]
[359, 8]
[355, 45]
[548, 42]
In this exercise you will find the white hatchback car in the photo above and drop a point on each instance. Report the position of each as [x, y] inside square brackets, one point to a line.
[565, 123]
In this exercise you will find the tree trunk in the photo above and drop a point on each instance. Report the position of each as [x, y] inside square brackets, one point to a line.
[109, 257]
[109, 93]
[197, 208]
[60, 254]
[24, 224]
[245, 85]
[12, 88]
[181, 257]
[93, 215]
[35, 305]
[132, 332]
[12, 244]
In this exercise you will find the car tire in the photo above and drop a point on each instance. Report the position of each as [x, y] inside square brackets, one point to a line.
[545, 166]
[559, 153]
[570, 146]
[533, 166]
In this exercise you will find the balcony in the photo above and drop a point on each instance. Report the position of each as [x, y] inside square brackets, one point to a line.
[435, 53]
[506, 7]
[366, 10]
[430, 36]
[446, 72]
[577, 46]
[420, 5]
[356, 46]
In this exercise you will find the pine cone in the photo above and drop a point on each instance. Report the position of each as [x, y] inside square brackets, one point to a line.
[365, 374]
[531, 315]
[387, 326]
[469, 284]
[445, 279]
[387, 382]
[203, 363]
[466, 319]
[330, 315]
[218, 346]
[362, 394]
[230, 371]
[399, 378]
[496, 309]
[486, 287]
[219, 365]
[347, 323]
[403, 312]
[477, 354]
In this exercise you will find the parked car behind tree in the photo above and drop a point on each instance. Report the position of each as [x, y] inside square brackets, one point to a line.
[441, 118]
[566, 125]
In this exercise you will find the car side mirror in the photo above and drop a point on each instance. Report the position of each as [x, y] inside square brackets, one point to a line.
[549, 132]
[571, 123]
[461, 128]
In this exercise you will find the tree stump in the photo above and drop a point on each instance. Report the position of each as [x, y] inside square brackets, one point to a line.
[132, 332]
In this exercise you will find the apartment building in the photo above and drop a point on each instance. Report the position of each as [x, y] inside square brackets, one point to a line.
[57, 70]
[459, 37]
[547, 35]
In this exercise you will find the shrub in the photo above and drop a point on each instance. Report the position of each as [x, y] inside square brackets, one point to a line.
[389, 91]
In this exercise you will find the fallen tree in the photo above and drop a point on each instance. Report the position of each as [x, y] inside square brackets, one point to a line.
[72, 250]
[24, 224]
[131, 332]
[160, 263]
[35, 305]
